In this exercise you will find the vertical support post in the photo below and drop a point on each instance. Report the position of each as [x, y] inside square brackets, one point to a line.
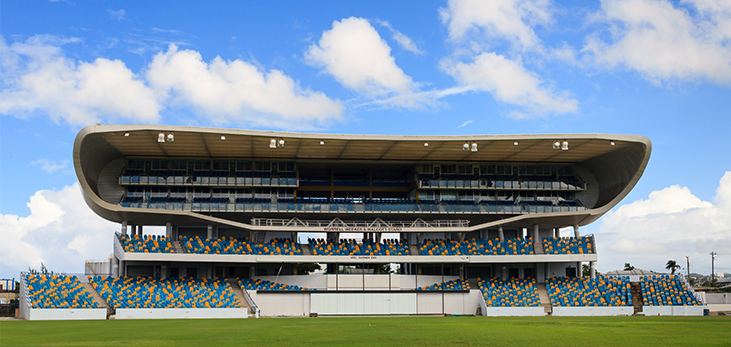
[500, 233]
[576, 230]
[536, 233]
[556, 232]
[169, 230]
[592, 272]
[124, 227]
[210, 232]
[579, 270]
[139, 230]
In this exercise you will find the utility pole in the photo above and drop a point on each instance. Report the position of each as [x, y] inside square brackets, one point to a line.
[687, 266]
[713, 270]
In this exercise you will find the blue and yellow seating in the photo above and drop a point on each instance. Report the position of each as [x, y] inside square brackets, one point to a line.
[58, 291]
[512, 292]
[666, 290]
[514, 246]
[601, 291]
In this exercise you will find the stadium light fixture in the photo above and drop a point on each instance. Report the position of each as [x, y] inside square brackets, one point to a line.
[465, 146]
[223, 137]
[515, 143]
[565, 146]
[161, 137]
[171, 137]
[611, 143]
[322, 143]
[557, 144]
[474, 147]
[426, 144]
[273, 143]
[280, 143]
[126, 134]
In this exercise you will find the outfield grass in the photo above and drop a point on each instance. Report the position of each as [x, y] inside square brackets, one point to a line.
[375, 331]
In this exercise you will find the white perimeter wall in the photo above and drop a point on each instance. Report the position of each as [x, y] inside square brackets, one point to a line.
[65, 313]
[593, 311]
[514, 311]
[282, 304]
[673, 310]
[323, 303]
[178, 313]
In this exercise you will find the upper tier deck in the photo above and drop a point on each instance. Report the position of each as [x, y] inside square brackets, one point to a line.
[152, 175]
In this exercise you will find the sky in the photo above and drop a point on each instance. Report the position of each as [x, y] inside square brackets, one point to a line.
[657, 68]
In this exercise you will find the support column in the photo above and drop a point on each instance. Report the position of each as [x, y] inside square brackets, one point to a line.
[169, 230]
[115, 267]
[579, 270]
[210, 232]
[536, 233]
[500, 233]
[556, 232]
[592, 271]
[124, 227]
[139, 230]
[576, 230]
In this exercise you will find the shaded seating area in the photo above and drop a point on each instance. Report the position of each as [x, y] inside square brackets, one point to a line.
[146, 244]
[462, 284]
[666, 291]
[229, 245]
[512, 292]
[257, 284]
[568, 245]
[514, 246]
[58, 291]
[148, 292]
[352, 247]
[601, 291]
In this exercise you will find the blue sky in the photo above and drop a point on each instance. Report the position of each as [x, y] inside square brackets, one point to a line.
[648, 67]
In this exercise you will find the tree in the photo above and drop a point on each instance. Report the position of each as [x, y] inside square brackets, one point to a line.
[672, 266]
[628, 267]
[43, 271]
[307, 268]
[586, 270]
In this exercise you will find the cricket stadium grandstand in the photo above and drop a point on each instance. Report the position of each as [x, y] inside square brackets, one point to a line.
[401, 225]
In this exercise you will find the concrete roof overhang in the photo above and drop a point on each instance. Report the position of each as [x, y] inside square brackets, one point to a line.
[617, 161]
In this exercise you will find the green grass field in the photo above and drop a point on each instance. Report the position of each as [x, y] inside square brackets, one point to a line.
[375, 331]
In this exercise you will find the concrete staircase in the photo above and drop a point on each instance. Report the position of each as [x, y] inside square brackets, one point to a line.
[538, 247]
[413, 250]
[637, 300]
[178, 247]
[238, 292]
[305, 248]
[545, 300]
[94, 294]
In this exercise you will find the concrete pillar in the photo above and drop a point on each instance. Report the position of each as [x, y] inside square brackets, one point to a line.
[536, 233]
[169, 230]
[500, 233]
[592, 271]
[115, 267]
[579, 270]
[124, 227]
[139, 230]
[504, 272]
[210, 232]
[576, 230]
[122, 270]
[556, 232]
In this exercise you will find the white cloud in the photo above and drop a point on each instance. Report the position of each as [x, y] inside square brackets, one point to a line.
[358, 58]
[665, 42]
[117, 15]
[60, 231]
[404, 41]
[509, 82]
[670, 224]
[512, 20]
[37, 77]
[237, 91]
[466, 123]
[51, 166]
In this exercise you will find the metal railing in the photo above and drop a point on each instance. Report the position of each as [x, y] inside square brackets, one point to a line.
[253, 309]
[690, 288]
[377, 223]
[366, 208]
